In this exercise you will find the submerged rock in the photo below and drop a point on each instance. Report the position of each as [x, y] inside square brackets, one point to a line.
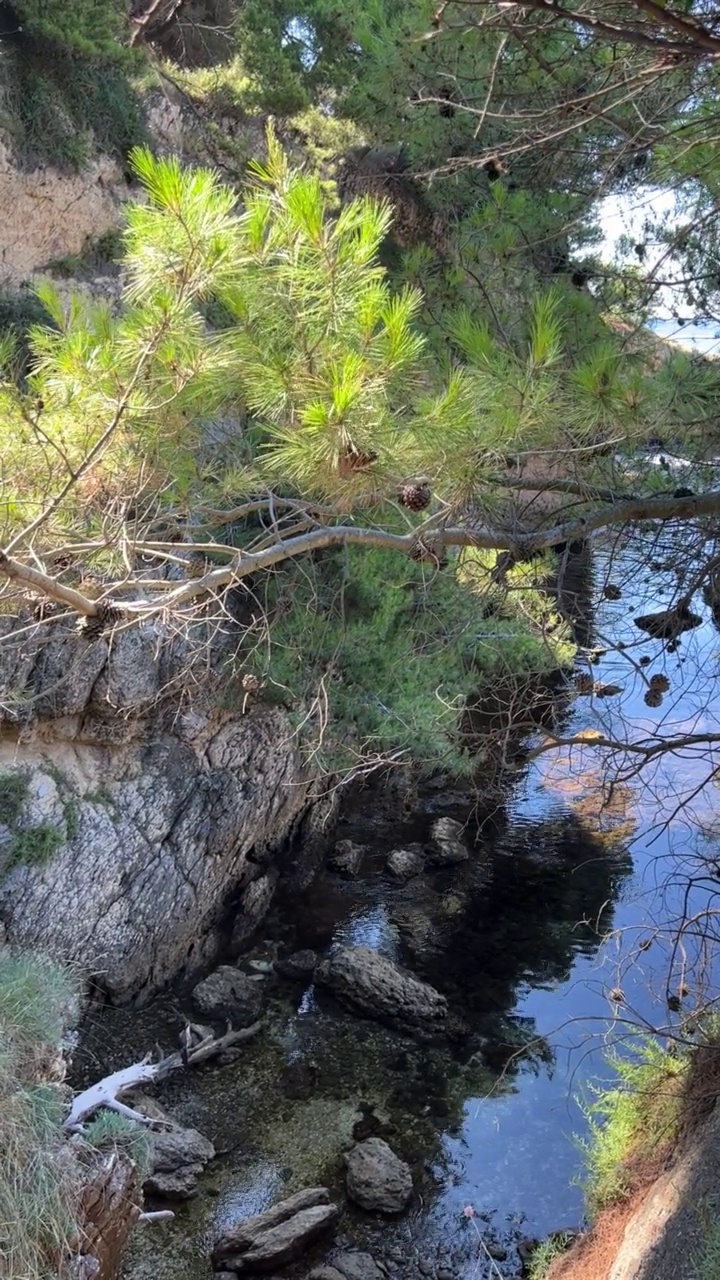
[278, 1236]
[357, 1266]
[299, 967]
[378, 1179]
[405, 864]
[176, 1156]
[347, 857]
[380, 989]
[448, 845]
[227, 993]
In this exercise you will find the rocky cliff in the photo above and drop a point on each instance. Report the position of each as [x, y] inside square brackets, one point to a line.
[138, 821]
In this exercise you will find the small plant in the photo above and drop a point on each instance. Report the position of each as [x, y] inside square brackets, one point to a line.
[34, 846]
[634, 1118]
[546, 1253]
[109, 1129]
[13, 794]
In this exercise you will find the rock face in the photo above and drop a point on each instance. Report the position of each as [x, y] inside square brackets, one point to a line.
[377, 1179]
[381, 989]
[227, 993]
[347, 857]
[405, 864]
[277, 1237]
[152, 814]
[448, 845]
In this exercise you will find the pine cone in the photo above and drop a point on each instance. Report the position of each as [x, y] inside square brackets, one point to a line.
[584, 683]
[426, 554]
[45, 608]
[250, 683]
[415, 497]
[659, 684]
[653, 698]
[91, 628]
[611, 592]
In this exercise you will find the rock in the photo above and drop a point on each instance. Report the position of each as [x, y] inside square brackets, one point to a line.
[176, 1156]
[380, 989]
[496, 1251]
[426, 1267]
[325, 1273]
[404, 864]
[227, 993]
[278, 1236]
[347, 857]
[299, 967]
[252, 908]
[448, 844]
[358, 1266]
[167, 801]
[445, 1273]
[377, 1178]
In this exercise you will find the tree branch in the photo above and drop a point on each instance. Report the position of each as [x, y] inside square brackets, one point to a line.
[700, 43]
[46, 585]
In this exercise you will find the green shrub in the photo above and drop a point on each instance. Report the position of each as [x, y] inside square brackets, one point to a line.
[34, 846]
[633, 1118]
[89, 28]
[13, 794]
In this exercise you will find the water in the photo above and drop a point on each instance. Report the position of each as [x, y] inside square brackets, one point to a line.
[566, 888]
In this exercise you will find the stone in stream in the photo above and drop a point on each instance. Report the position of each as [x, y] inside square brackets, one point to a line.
[227, 993]
[347, 857]
[357, 1266]
[405, 864]
[380, 989]
[276, 1237]
[298, 967]
[448, 845]
[176, 1156]
[377, 1178]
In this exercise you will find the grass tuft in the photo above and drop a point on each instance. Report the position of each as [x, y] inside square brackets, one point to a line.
[109, 1129]
[37, 1173]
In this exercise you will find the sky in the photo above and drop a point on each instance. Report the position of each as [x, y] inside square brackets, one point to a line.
[624, 215]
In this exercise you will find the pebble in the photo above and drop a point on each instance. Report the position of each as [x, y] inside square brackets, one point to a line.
[497, 1252]
[426, 1267]
[444, 1273]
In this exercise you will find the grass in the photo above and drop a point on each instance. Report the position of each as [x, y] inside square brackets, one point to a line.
[707, 1262]
[546, 1253]
[109, 1129]
[632, 1120]
[30, 845]
[13, 795]
[37, 1178]
[34, 846]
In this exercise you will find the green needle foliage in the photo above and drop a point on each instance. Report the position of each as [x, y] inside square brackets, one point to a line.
[337, 399]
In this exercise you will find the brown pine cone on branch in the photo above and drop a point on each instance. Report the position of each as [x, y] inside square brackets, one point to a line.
[414, 495]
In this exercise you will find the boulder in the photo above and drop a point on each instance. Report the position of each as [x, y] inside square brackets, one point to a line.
[325, 1273]
[404, 864]
[347, 857]
[176, 1156]
[278, 1236]
[378, 1179]
[357, 1266]
[227, 993]
[448, 845]
[299, 967]
[380, 989]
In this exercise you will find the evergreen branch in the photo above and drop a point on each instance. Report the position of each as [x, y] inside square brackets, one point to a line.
[43, 583]
[699, 43]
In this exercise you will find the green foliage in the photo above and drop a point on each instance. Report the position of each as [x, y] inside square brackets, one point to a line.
[382, 653]
[88, 28]
[13, 795]
[34, 846]
[631, 1119]
[109, 1129]
[706, 1263]
[37, 1186]
[547, 1252]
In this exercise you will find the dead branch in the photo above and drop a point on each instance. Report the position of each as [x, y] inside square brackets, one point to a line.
[107, 1092]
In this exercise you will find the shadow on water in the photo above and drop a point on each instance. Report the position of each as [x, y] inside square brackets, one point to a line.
[526, 939]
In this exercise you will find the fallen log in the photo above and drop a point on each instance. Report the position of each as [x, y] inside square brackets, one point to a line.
[107, 1092]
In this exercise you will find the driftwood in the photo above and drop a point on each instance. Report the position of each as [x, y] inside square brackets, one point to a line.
[107, 1092]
